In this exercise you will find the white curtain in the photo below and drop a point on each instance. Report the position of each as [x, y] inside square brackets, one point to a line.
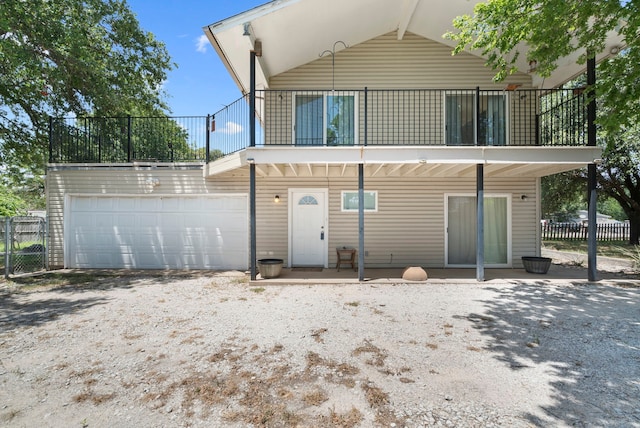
[462, 230]
[495, 230]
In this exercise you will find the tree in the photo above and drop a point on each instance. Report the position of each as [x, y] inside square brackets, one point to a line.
[553, 29]
[10, 204]
[562, 194]
[78, 57]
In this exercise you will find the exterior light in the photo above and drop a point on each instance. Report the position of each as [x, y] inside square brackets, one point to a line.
[276, 199]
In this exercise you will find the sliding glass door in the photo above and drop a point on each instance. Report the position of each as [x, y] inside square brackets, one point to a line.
[461, 231]
[460, 117]
[325, 119]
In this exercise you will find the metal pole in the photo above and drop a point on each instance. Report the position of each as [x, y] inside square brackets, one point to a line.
[479, 198]
[480, 222]
[592, 199]
[207, 140]
[361, 222]
[252, 167]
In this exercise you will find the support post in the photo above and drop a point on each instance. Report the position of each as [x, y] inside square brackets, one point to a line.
[592, 270]
[480, 222]
[361, 222]
[252, 167]
[479, 197]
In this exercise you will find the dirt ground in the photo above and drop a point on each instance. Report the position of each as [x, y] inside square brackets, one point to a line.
[209, 349]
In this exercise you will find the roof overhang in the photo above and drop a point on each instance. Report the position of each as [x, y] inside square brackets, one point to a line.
[445, 161]
[296, 32]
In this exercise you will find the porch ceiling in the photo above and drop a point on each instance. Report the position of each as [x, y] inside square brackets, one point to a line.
[295, 32]
[407, 162]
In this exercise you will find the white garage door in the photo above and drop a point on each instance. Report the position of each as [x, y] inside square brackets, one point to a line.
[157, 232]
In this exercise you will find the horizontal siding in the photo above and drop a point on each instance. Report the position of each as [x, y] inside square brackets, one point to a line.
[387, 63]
[407, 229]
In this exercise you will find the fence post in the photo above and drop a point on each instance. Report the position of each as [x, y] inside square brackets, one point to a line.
[7, 246]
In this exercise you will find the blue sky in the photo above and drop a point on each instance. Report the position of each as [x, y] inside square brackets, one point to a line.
[200, 85]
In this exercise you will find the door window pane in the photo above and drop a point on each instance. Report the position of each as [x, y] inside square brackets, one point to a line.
[460, 112]
[325, 119]
[308, 128]
[340, 120]
[460, 118]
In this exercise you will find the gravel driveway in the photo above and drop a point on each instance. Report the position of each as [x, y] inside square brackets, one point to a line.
[175, 349]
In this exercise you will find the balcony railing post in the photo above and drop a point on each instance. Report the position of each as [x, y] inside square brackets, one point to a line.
[477, 118]
[366, 115]
[50, 139]
[129, 138]
[207, 139]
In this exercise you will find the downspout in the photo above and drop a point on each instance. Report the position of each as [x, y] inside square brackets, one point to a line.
[592, 270]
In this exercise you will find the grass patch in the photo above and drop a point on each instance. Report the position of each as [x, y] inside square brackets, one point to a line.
[257, 290]
[49, 280]
[617, 249]
[377, 355]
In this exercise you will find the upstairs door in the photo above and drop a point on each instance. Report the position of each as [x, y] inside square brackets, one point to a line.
[308, 227]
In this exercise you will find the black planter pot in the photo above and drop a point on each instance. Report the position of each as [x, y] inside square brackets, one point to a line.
[536, 264]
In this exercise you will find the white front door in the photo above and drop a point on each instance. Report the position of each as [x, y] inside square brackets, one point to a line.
[308, 227]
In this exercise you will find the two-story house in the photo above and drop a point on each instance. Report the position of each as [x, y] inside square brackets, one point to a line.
[356, 127]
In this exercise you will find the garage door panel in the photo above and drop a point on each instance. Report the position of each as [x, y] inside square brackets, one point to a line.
[195, 232]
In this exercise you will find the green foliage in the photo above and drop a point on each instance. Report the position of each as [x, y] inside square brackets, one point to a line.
[562, 193]
[71, 57]
[553, 29]
[609, 206]
[11, 204]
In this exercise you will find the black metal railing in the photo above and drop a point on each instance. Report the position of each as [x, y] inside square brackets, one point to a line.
[423, 117]
[333, 118]
[127, 139]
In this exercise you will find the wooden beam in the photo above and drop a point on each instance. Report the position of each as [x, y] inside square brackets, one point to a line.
[378, 169]
[405, 18]
[261, 171]
[278, 168]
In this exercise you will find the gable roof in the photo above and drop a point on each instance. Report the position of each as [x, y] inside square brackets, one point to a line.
[296, 32]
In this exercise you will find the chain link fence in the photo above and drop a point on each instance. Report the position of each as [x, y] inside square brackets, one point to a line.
[22, 245]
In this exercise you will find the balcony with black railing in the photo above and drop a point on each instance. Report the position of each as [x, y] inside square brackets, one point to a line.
[304, 118]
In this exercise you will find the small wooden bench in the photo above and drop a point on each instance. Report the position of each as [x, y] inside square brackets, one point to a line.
[346, 255]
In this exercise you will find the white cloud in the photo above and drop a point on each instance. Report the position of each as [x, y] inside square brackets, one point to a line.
[231, 128]
[201, 43]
